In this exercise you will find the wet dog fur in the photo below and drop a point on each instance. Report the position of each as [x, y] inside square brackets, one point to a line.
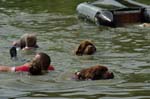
[86, 47]
[96, 72]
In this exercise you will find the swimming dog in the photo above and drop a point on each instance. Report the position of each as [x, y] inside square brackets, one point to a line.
[96, 72]
[86, 47]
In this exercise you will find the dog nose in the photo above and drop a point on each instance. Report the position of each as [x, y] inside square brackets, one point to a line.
[111, 76]
[108, 75]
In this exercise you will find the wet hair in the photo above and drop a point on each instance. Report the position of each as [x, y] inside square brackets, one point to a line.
[30, 40]
[27, 40]
[36, 68]
[40, 65]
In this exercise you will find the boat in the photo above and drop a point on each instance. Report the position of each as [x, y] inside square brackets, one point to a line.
[113, 17]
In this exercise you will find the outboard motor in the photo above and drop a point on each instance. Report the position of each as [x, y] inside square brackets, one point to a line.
[147, 14]
[95, 14]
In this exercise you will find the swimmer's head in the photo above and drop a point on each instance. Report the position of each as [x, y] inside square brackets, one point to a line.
[40, 64]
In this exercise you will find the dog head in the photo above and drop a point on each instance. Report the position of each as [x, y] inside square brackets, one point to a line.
[85, 48]
[94, 73]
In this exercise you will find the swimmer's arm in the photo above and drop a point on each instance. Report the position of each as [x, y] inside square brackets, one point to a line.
[5, 69]
[10, 69]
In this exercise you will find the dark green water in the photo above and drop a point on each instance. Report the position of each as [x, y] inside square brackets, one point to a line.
[125, 50]
[144, 1]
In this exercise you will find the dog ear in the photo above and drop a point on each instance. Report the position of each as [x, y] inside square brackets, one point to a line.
[81, 47]
[79, 50]
[94, 73]
[86, 74]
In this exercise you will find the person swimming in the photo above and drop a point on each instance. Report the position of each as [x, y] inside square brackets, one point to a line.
[38, 66]
[26, 42]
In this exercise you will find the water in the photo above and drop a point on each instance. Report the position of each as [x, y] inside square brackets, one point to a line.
[124, 50]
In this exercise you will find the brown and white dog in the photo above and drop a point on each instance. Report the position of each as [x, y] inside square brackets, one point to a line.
[86, 47]
[94, 73]
[27, 41]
